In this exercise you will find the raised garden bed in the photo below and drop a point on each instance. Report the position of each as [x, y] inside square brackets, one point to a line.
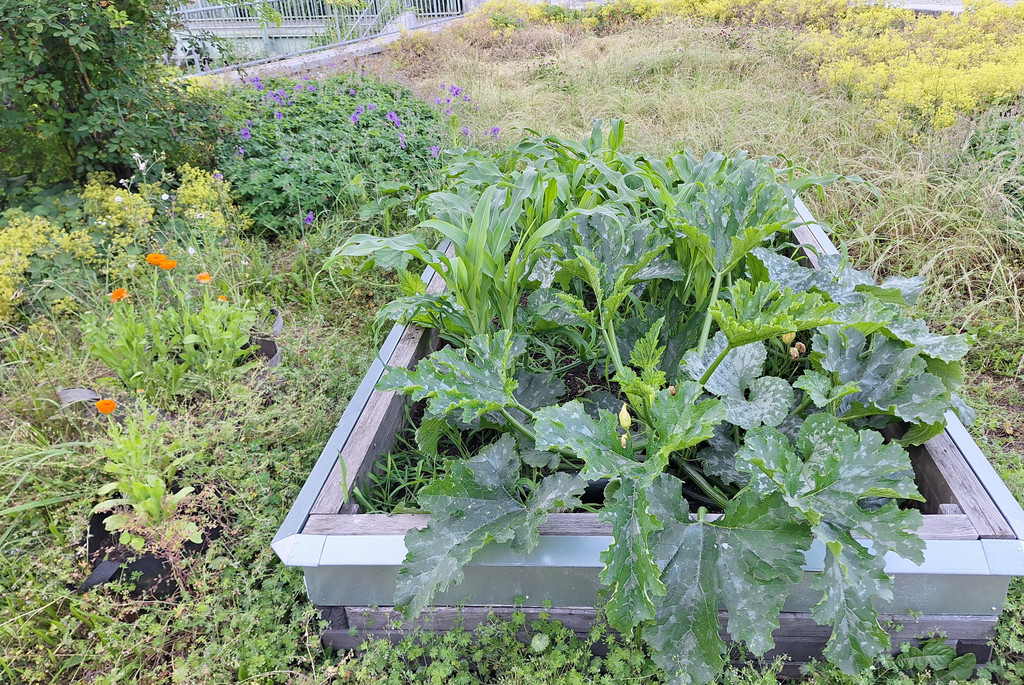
[972, 531]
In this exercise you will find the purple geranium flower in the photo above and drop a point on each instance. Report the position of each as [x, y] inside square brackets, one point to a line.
[435, 150]
[448, 111]
[455, 91]
[393, 118]
[219, 176]
[241, 151]
[359, 109]
[309, 217]
[401, 137]
[351, 91]
[278, 115]
[465, 130]
[311, 89]
[370, 107]
[355, 118]
[437, 101]
[495, 131]
[245, 133]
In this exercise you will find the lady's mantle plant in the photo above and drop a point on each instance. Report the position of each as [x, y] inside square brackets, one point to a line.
[738, 415]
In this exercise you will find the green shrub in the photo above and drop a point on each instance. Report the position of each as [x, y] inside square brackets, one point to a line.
[83, 89]
[295, 150]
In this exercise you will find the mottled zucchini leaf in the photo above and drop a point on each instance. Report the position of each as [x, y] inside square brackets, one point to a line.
[823, 477]
[891, 378]
[475, 380]
[596, 441]
[746, 560]
[727, 220]
[630, 571]
[750, 399]
[750, 314]
[475, 504]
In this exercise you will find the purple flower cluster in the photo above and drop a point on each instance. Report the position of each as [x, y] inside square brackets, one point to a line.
[393, 118]
[278, 97]
[401, 137]
[435, 150]
[257, 84]
[455, 92]
[245, 133]
[494, 132]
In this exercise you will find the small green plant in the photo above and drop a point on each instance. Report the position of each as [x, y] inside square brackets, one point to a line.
[143, 465]
[483, 283]
[180, 342]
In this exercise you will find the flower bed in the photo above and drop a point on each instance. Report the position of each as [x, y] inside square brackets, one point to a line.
[735, 495]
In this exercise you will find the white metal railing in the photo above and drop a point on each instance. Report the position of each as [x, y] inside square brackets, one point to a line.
[212, 36]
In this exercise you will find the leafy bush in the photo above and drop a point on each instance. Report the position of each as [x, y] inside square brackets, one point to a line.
[298, 150]
[737, 381]
[62, 246]
[83, 89]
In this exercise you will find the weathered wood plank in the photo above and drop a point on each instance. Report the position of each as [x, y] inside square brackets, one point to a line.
[379, 421]
[935, 527]
[959, 485]
[805, 236]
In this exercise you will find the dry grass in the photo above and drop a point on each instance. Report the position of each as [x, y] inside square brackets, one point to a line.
[706, 86]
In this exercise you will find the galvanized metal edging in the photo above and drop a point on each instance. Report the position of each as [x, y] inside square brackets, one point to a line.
[291, 545]
[987, 557]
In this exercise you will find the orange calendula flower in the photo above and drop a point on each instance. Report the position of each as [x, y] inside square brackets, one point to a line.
[155, 258]
[168, 264]
[106, 406]
[118, 295]
[203, 277]
[223, 298]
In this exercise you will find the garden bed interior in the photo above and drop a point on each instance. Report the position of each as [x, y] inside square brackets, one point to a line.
[972, 528]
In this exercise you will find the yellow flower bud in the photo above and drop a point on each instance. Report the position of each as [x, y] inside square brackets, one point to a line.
[624, 419]
[788, 338]
[622, 441]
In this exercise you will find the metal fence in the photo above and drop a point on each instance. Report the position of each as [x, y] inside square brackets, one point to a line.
[212, 36]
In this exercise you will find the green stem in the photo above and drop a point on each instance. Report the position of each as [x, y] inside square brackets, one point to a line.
[697, 478]
[714, 365]
[706, 331]
[518, 426]
[804, 403]
[608, 331]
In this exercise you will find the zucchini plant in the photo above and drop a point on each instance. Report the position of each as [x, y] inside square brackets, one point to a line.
[740, 405]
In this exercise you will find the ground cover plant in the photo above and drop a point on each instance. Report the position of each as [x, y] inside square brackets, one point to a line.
[731, 379]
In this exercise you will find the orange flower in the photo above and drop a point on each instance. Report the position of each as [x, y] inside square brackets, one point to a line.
[118, 295]
[168, 264]
[106, 406]
[155, 258]
[203, 277]
[223, 298]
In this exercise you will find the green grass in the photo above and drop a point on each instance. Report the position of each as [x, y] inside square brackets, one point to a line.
[243, 617]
